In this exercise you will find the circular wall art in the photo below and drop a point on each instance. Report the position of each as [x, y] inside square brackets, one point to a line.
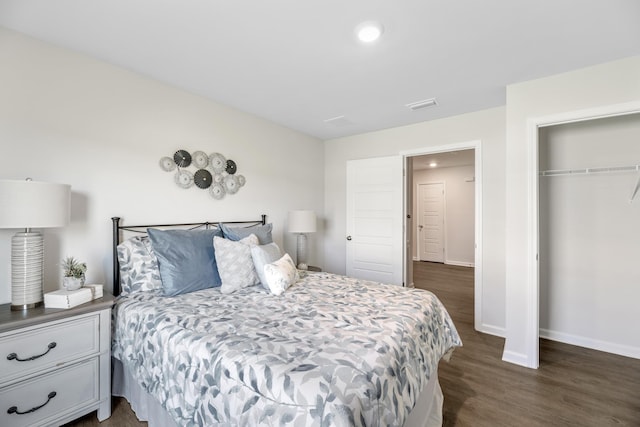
[217, 191]
[167, 164]
[231, 167]
[202, 178]
[218, 162]
[213, 172]
[182, 158]
[183, 179]
[200, 159]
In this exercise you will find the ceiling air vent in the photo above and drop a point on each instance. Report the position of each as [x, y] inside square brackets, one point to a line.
[431, 102]
[340, 121]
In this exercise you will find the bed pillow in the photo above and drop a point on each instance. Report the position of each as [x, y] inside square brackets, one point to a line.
[138, 266]
[186, 258]
[280, 275]
[262, 232]
[262, 255]
[235, 263]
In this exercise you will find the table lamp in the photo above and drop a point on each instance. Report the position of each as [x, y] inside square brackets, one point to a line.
[302, 222]
[30, 204]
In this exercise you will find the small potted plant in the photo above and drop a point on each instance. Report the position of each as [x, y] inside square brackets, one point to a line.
[73, 273]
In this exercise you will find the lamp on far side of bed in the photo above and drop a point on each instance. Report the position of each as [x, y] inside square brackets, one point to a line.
[30, 204]
[302, 222]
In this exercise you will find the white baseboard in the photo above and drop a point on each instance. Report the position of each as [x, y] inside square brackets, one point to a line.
[609, 347]
[493, 330]
[515, 358]
[460, 263]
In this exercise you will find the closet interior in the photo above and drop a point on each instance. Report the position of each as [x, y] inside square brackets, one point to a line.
[589, 233]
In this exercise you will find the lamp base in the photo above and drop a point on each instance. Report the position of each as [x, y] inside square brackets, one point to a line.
[301, 251]
[27, 260]
[26, 306]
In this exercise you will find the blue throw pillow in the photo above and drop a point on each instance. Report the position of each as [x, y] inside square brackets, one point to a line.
[262, 232]
[186, 259]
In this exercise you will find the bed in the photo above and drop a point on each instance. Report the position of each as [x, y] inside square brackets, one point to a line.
[326, 350]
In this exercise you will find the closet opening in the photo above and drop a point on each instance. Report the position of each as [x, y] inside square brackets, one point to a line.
[541, 318]
[589, 233]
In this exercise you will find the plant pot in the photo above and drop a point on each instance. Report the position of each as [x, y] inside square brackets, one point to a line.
[72, 283]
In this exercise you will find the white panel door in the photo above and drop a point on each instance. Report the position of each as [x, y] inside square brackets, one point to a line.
[431, 222]
[375, 234]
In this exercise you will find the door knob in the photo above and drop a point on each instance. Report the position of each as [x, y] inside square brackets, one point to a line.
[348, 237]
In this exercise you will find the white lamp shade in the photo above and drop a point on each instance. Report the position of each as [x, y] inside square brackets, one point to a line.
[302, 221]
[34, 204]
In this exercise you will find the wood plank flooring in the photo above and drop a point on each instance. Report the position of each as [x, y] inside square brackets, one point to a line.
[573, 386]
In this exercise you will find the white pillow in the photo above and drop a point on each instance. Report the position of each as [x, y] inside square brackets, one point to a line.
[281, 274]
[263, 255]
[235, 264]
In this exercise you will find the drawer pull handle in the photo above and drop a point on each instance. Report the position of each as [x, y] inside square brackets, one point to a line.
[13, 356]
[14, 409]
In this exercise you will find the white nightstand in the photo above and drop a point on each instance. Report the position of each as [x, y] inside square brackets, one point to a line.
[55, 364]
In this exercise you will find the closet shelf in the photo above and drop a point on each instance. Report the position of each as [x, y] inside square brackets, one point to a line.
[559, 172]
[632, 168]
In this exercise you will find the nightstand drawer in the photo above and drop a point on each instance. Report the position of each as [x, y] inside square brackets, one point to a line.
[29, 350]
[41, 400]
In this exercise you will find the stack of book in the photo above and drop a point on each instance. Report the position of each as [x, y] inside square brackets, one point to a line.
[96, 290]
[67, 299]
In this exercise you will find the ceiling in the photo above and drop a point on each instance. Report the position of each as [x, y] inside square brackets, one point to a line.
[298, 63]
[444, 160]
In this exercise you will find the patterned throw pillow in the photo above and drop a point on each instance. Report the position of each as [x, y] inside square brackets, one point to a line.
[281, 274]
[235, 264]
[139, 270]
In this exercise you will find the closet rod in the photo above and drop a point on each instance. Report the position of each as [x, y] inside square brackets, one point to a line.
[586, 171]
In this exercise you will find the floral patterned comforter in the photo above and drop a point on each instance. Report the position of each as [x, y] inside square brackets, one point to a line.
[331, 350]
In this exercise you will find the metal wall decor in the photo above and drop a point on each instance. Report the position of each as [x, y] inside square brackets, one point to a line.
[213, 172]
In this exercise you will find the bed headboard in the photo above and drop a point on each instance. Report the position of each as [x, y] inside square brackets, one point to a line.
[118, 230]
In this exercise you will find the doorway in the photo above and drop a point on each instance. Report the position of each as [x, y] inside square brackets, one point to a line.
[465, 160]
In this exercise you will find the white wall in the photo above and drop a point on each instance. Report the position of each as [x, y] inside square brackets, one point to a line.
[487, 126]
[67, 118]
[590, 235]
[607, 84]
[459, 211]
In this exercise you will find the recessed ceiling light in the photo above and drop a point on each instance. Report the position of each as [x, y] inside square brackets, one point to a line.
[433, 164]
[369, 31]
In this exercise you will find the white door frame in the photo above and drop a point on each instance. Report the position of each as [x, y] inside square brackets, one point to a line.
[533, 268]
[468, 145]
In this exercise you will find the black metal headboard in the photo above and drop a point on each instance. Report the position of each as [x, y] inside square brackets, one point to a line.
[142, 229]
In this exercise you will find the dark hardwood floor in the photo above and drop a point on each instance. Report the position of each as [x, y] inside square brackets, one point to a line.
[573, 386]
